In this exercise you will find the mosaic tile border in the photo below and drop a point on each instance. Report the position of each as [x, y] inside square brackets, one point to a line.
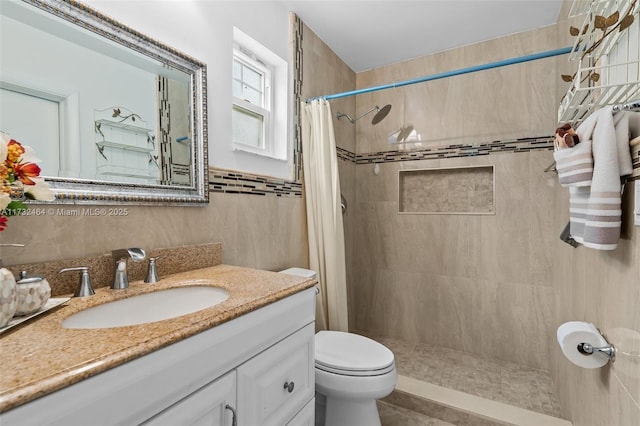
[297, 31]
[234, 182]
[450, 151]
[467, 150]
[345, 155]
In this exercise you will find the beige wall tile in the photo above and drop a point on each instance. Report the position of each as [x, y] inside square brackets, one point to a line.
[493, 104]
[261, 232]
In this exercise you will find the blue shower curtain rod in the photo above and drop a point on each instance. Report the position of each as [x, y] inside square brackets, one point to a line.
[526, 58]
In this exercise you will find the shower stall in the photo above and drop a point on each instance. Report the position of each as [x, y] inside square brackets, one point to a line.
[452, 248]
[461, 299]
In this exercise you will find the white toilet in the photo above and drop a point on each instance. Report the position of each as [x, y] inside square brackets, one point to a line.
[352, 372]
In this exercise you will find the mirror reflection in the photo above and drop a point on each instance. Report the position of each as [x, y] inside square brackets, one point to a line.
[94, 110]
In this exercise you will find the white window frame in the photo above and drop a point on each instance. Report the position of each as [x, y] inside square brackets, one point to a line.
[276, 144]
[250, 60]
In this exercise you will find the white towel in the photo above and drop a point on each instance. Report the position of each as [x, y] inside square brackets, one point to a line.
[595, 211]
[575, 164]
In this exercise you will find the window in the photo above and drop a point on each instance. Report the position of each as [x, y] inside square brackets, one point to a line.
[259, 110]
[251, 102]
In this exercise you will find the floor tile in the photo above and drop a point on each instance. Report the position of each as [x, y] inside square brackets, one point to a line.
[500, 381]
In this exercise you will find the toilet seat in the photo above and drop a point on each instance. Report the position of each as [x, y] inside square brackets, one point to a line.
[356, 373]
[351, 355]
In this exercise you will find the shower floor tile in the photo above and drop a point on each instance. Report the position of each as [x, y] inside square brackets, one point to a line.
[501, 381]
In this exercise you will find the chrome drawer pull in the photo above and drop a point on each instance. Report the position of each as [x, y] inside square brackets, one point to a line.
[289, 386]
[234, 422]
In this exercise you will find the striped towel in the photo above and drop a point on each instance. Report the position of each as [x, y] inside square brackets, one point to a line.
[575, 165]
[595, 211]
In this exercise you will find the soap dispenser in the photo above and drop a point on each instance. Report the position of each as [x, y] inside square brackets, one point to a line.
[8, 292]
[33, 293]
[8, 296]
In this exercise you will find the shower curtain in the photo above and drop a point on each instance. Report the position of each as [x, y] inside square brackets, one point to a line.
[324, 215]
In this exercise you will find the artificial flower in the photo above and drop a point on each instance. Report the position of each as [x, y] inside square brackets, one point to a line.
[26, 171]
[40, 190]
[19, 178]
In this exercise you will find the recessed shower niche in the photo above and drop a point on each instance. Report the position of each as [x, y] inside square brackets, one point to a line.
[452, 190]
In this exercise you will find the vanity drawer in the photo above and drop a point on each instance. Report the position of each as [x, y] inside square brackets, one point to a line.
[276, 384]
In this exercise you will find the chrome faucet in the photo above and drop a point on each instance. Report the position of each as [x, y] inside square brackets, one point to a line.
[120, 265]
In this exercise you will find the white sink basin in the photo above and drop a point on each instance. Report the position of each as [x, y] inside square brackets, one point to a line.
[148, 307]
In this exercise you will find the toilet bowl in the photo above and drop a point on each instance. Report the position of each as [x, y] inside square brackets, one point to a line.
[351, 373]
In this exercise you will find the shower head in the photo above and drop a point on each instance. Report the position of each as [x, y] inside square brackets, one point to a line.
[404, 133]
[380, 114]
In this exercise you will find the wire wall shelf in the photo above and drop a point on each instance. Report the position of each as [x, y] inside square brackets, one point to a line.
[609, 67]
[590, 38]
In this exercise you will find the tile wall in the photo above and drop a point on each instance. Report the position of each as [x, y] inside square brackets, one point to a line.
[259, 230]
[602, 288]
[463, 190]
[476, 283]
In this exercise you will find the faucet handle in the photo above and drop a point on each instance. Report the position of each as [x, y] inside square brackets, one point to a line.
[152, 272]
[84, 286]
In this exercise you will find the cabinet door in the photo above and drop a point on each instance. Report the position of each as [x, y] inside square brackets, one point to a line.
[306, 416]
[274, 385]
[211, 405]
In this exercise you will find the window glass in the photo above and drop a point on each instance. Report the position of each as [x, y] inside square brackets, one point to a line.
[252, 95]
[252, 78]
[237, 89]
[237, 70]
[247, 127]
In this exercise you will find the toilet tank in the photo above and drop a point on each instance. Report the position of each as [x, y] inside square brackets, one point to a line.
[300, 272]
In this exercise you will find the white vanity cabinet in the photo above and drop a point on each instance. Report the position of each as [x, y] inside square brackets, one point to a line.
[213, 405]
[242, 364]
[274, 385]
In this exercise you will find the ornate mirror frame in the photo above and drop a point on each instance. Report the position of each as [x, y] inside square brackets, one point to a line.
[86, 191]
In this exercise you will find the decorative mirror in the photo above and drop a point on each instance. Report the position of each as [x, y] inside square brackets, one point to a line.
[114, 115]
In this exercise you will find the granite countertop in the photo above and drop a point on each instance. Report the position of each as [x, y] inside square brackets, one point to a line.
[40, 356]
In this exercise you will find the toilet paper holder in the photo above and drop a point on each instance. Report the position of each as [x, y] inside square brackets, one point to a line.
[588, 349]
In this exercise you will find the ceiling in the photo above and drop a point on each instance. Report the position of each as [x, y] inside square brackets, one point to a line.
[367, 34]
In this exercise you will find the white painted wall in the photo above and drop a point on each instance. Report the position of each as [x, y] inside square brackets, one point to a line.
[204, 30]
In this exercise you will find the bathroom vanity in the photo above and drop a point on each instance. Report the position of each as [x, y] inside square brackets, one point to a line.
[246, 361]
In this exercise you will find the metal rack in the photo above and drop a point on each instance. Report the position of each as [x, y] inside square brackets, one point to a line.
[615, 59]
[631, 106]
